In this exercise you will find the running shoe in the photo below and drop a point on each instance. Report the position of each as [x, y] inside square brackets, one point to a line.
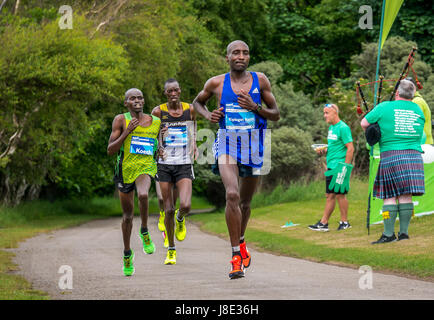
[344, 225]
[237, 267]
[245, 254]
[148, 245]
[161, 225]
[129, 264]
[180, 230]
[166, 239]
[319, 227]
[171, 257]
[385, 239]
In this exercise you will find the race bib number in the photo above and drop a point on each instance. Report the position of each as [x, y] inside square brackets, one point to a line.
[142, 145]
[239, 118]
[176, 137]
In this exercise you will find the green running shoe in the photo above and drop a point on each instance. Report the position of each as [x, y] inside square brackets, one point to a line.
[129, 264]
[180, 230]
[148, 245]
[171, 257]
[161, 225]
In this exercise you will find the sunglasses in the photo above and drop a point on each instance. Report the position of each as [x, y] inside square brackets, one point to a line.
[329, 105]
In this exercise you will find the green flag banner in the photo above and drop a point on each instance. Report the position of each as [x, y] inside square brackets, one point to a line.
[423, 205]
[390, 12]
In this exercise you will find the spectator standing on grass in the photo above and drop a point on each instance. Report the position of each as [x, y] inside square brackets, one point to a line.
[339, 151]
[400, 174]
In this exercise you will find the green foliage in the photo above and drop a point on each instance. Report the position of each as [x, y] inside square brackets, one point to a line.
[51, 89]
[232, 20]
[292, 154]
[163, 40]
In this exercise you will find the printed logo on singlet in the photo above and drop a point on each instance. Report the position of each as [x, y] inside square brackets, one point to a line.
[237, 117]
[142, 145]
[255, 90]
[176, 137]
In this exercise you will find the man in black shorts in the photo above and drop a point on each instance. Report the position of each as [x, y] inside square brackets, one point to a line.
[339, 152]
[175, 168]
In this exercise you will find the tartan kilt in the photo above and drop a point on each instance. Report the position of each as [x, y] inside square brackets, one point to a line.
[399, 172]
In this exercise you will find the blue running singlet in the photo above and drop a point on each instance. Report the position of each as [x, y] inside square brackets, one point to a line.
[241, 132]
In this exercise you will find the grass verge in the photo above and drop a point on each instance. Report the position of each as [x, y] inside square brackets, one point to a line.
[351, 247]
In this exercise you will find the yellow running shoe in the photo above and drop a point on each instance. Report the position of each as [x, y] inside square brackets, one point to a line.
[161, 225]
[180, 230]
[166, 239]
[171, 257]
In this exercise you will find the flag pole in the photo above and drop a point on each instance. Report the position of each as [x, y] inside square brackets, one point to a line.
[379, 52]
[371, 152]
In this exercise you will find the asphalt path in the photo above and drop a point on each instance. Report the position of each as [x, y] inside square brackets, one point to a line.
[88, 258]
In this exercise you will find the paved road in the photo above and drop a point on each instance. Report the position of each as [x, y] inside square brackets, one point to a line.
[94, 252]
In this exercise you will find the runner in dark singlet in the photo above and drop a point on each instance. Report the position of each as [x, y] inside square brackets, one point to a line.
[175, 168]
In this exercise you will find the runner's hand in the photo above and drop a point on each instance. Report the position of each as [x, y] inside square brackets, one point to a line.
[216, 115]
[162, 153]
[132, 125]
[245, 101]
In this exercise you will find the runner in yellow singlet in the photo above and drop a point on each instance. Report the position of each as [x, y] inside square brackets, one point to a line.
[134, 138]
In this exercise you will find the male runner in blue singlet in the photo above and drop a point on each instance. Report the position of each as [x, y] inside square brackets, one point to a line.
[239, 147]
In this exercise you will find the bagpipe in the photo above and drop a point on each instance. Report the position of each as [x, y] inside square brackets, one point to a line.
[404, 73]
[373, 132]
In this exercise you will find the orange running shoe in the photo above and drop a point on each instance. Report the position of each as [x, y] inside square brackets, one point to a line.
[245, 254]
[237, 267]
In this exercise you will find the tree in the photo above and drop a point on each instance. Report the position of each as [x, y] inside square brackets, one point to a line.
[52, 90]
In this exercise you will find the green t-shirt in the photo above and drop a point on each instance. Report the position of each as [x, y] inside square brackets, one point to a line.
[339, 135]
[401, 123]
[427, 113]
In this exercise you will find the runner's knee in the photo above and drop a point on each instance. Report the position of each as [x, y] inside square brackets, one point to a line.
[245, 206]
[128, 217]
[232, 197]
[143, 197]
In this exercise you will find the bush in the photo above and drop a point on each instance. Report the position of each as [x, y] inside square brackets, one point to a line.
[291, 155]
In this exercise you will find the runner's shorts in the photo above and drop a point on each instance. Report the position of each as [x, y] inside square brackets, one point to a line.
[174, 173]
[243, 170]
[123, 187]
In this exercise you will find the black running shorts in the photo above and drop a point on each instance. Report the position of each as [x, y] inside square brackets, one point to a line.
[174, 173]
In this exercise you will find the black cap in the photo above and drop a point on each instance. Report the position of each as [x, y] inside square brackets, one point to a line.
[373, 134]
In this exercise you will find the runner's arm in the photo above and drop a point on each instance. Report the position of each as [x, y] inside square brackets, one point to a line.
[163, 129]
[202, 98]
[271, 112]
[193, 118]
[117, 136]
